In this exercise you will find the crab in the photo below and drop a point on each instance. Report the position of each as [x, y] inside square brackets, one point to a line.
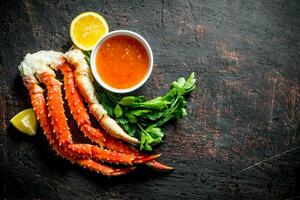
[113, 145]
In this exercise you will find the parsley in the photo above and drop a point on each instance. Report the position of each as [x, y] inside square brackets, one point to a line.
[142, 118]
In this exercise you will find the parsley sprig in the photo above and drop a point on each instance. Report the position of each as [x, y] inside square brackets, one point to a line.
[142, 118]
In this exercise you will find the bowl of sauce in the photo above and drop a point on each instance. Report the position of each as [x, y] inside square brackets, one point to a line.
[122, 61]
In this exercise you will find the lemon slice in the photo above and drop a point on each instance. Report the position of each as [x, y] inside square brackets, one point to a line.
[25, 121]
[86, 29]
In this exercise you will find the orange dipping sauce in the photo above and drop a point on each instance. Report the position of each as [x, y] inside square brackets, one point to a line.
[122, 62]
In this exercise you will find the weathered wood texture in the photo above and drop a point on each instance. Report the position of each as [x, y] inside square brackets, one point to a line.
[246, 55]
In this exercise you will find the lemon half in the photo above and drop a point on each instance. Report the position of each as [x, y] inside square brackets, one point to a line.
[25, 121]
[86, 29]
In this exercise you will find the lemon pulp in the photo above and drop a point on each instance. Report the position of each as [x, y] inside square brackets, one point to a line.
[86, 29]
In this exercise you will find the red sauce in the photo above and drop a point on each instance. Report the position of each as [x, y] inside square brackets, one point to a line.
[122, 62]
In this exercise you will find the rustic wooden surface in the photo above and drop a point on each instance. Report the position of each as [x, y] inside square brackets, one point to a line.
[241, 137]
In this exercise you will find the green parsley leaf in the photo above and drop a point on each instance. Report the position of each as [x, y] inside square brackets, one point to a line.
[118, 111]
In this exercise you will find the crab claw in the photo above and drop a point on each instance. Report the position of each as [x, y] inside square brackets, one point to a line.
[144, 158]
[158, 166]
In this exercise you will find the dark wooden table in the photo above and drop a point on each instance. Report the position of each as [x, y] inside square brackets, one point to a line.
[241, 137]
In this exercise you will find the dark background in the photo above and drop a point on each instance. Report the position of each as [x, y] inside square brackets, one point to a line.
[246, 55]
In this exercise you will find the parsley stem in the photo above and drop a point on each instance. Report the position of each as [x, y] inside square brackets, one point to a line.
[112, 98]
[140, 126]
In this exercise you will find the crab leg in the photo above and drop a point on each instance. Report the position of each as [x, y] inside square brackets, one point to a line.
[39, 105]
[83, 78]
[61, 129]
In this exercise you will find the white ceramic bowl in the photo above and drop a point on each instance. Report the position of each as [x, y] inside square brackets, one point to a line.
[117, 33]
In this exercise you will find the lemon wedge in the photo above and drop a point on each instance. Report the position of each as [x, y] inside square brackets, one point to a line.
[25, 121]
[86, 29]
